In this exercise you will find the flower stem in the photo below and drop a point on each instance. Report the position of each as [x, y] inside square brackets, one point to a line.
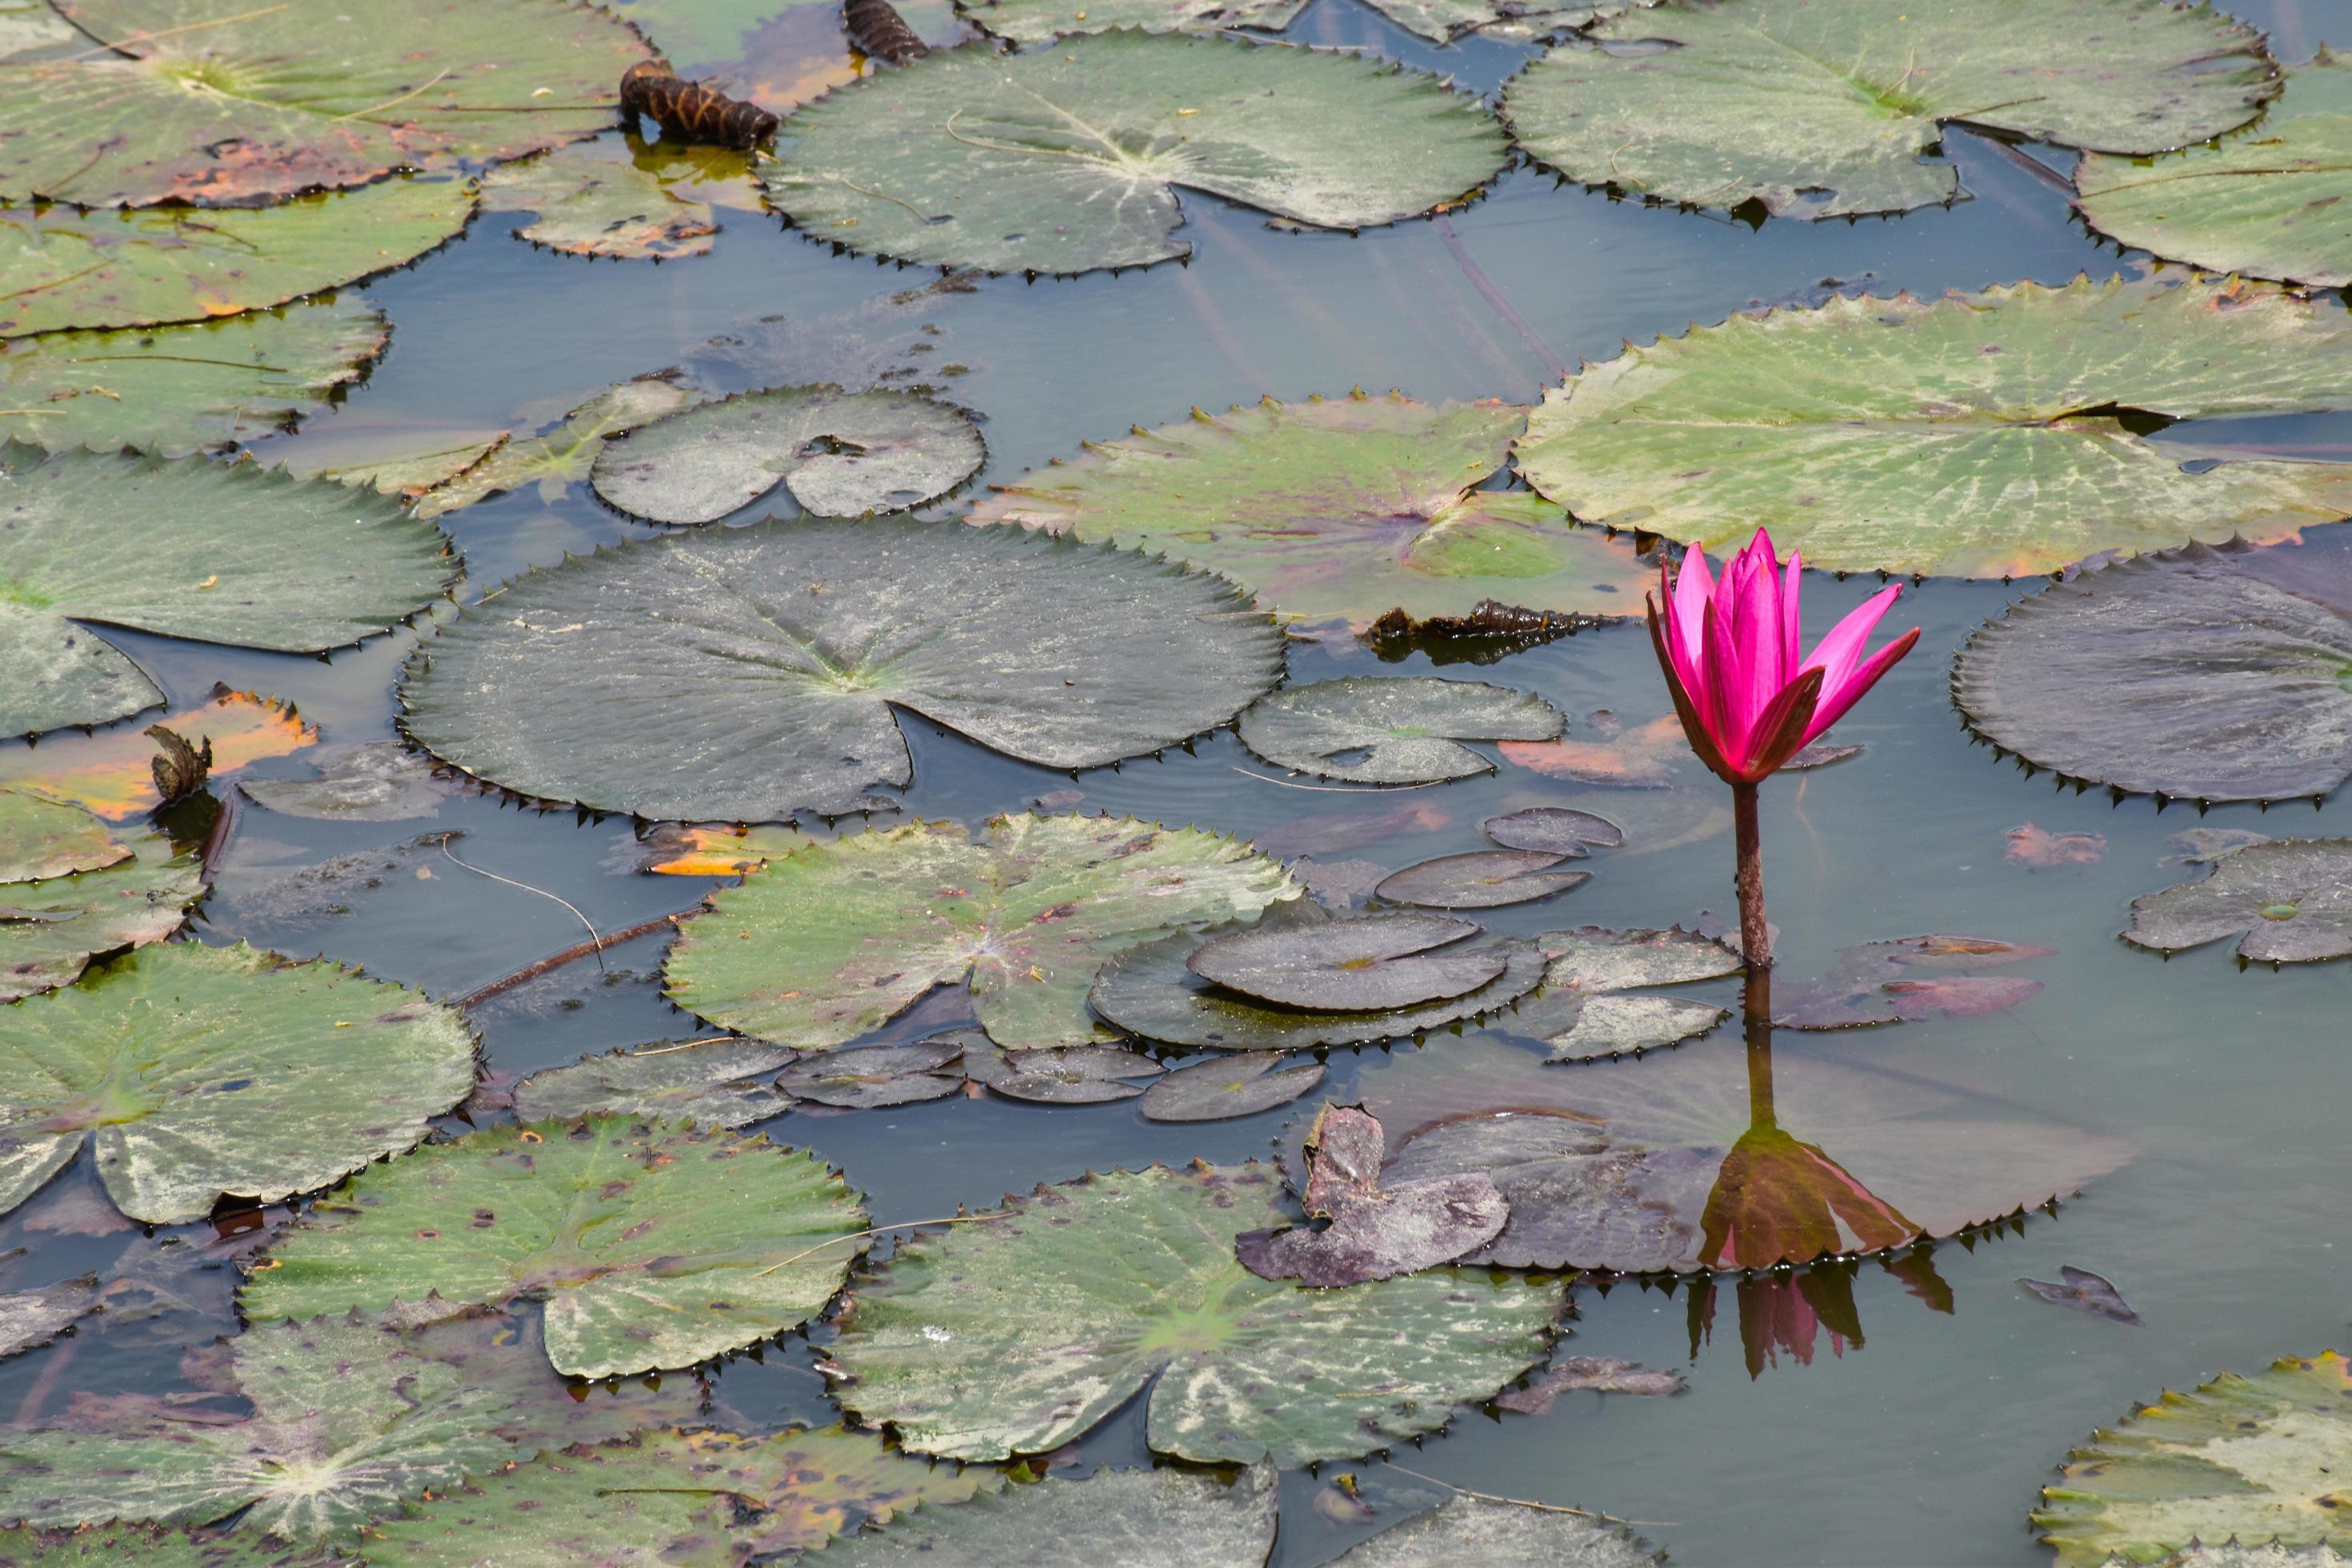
[1755, 935]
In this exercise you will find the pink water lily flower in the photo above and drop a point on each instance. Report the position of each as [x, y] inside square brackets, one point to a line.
[1748, 698]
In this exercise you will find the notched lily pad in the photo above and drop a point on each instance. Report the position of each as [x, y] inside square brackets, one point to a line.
[2289, 901]
[840, 454]
[41, 838]
[1481, 880]
[717, 1083]
[1391, 730]
[1376, 964]
[1376, 1230]
[874, 1075]
[1066, 160]
[1219, 1090]
[844, 935]
[655, 1243]
[1910, 978]
[587, 205]
[50, 928]
[1352, 510]
[1588, 1005]
[196, 1073]
[574, 684]
[1554, 830]
[1135, 1519]
[1010, 1336]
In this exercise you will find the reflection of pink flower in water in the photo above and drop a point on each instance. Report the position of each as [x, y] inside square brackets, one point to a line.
[1777, 1201]
[1785, 1311]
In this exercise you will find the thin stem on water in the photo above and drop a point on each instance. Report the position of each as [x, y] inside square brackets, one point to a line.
[1755, 935]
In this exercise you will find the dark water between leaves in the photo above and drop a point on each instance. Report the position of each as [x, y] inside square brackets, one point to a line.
[1859, 1415]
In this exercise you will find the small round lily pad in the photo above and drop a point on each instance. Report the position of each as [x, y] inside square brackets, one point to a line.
[1223, 1089]
[2289, 901]
[1392, 730]
[875, 1075]
[1481, 880]
[718, 1083]
[1377, 963]
[1553, 830]
[1080, 1075]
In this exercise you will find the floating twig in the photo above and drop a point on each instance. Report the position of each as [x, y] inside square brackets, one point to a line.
[558, 959]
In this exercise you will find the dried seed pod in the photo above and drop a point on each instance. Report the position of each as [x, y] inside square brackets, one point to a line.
[879, 33]
[690, 111]
[179, 768]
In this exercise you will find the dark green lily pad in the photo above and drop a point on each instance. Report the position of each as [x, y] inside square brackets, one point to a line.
[196, 1073]
[1466, 1529]
[1221, 1089]
[1066, 160]
[1376, 1231]
[1845, 430]
[195, 100]
[1150, 992]
[2289, 901]
[1343, 509]
[671, 1497]
[1910, 978]
[716, 1083]
[251, 558]
[1833, 109]
[1013, 1336]
[840, 454]
[1376, 964]
[655, 1244]
[348, 1418]
[68, 267]
[51, 930]
[585, 204]
[2210, 674]
[574, 685]
[2250, 1458]
[1588, 1005]
[198, 388]
[1080, 1075]
[373, 781]
[1135, 1518]
[1555, 830]
[1481, 880]
[847, 934]
[875, 1075]
[558, 458]
[1391, 730]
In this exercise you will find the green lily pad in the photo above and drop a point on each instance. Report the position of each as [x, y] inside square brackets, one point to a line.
[846, 935]
[1846, 430]
[1150, 992]
[68, 267]
[840, 454]
[570, 686]
[1465, 1528]
[716, 1083]
[1589, 1006]
[565, 455]
[394, 459]
[51, 929]
[1377, 965]
[151, 1546]
[876, 1076]
[1135, 1519]
[1833, 109]
[2256, 1457]
[1224, 1088]
[589, 205]
[2266, 203]
[1481, 880]
[1341, 509]
[373, 781]
[700, 32]
[669, 1497]
[1035, 21]
[2288, 900]
[2205, 674]
[655, 1243]
[196, 1073]
[197, 101]
[348, 1418]
[41, 839]
[198, 388]
[1013, 1336]
[252, 559]
[1390, 729]
[1066, 160]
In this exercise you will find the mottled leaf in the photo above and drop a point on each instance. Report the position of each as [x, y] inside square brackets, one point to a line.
[876, 1076]
[564, 456]
[41, 838]
[1466, 1530]
[51, 930]
[1391, 730]
[716, 1083]
[1079, 1075]
[29, 1319]
[1583, 1009]
[587, 204]
[1135, 1519]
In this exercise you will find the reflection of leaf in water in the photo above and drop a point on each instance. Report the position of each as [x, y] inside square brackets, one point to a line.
[1911, 978]
[326, 888]
[2028, 845]
[2084, 1291]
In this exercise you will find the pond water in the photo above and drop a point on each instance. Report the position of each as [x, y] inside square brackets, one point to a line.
[1852, 1414]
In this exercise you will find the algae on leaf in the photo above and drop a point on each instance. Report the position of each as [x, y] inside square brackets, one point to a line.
[1346, 509]
[1013, 1336]
[655, 1243]
[1848, 430]
[1831, 108]
[63, 267]
[211, 101]
[1066, 160]
[825, 944]
[249, 558]
[1134, 1519]
[748, 674]
[195, 1073]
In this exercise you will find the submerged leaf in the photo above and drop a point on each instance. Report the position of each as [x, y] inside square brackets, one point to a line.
[717, 1083]
[1346, 510]
[840, 454]
[573, 683]
[2031, 846]
[1025, 911]
[1391, 730]
[1066, 160]
[1219, 1090]
[1376, 1231]
[112, 773]
[1013, 1336]
[655, 1244]
[565, 455]
[1845, 430]
[1910, 978]
[1376, 964]
[2254, 1459]
[1831, 108]
[1581, 1373]
[1135, 1518]
[197, 1072]
[373, 781]
[2084, 1291]
[2289, 901]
